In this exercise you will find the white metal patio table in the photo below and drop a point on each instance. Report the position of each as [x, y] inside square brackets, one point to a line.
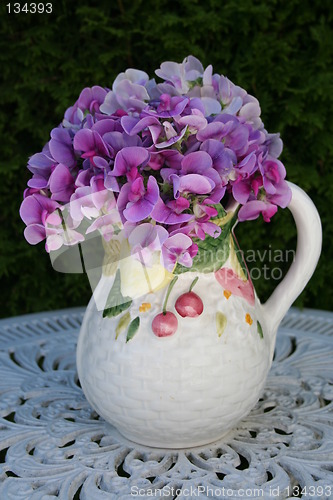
[55, 446]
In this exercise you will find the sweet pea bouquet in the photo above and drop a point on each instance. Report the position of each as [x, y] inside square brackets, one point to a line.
[157, 162]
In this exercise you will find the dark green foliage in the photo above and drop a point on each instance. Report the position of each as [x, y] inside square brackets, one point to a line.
[281, 52]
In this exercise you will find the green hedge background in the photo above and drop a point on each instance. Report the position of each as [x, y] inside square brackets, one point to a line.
[280, 51]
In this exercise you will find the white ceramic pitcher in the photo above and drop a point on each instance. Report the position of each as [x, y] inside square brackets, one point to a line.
[190, 388]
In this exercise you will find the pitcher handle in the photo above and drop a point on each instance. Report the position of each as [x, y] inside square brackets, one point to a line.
[309, 240]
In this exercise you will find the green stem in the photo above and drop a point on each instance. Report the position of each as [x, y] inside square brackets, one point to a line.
[193, 283]
[168, 293]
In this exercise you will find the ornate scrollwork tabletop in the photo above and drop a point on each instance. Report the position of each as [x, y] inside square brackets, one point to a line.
[55, 446]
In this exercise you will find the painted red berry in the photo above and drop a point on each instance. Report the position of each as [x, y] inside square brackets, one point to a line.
[164, 324]
[189, 305]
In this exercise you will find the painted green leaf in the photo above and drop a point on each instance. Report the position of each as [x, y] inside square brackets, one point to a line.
[259, 329]
[122, 324]
[133, 328]
[116, 303]
[221, 323]
[212, 252]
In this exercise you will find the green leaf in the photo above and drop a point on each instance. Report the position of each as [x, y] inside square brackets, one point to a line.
[212, 252]
[116, 303]
[122, 324]
[133, 328]
[221, 213]
[259, 328]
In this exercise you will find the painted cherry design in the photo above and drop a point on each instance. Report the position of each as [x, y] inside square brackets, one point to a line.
[189, 304]
[165, 323]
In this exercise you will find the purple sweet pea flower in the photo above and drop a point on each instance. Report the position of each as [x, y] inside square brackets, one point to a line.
[171, 212]
[172, 136]
[103, 199]
[105, 125]
[73, 118]
[35, 211]
[207, 94]
[82, 205]
[191, 183]
[133, 126]
[38, 182]
[234, 134]
[135, 202]
[61, 184]
[203, 211]
[248, 166]
[252, 209]
[128, 96]
[40, 164]
[179, 76]
[199, 229]
[93, 200]
[128, 161]
[195, 121]
[29, 191]
[83, 177]
[105, 225]
[116, 141]
[178, 248]
[273, 172]
[196, 176]
[168, 107]
[223, 158]
[242, 188]
[274, 144]
[146, 239]
[89, 143]
[133, 75]
[60, 230]
[172, 158]
[61, 147]
[90, 99]
[267, 203]
[174, 74]
[193, 68]
[236, 100]
[282, 195]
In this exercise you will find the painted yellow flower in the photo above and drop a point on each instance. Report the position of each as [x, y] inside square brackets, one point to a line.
[248, 319]
[145, 306]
